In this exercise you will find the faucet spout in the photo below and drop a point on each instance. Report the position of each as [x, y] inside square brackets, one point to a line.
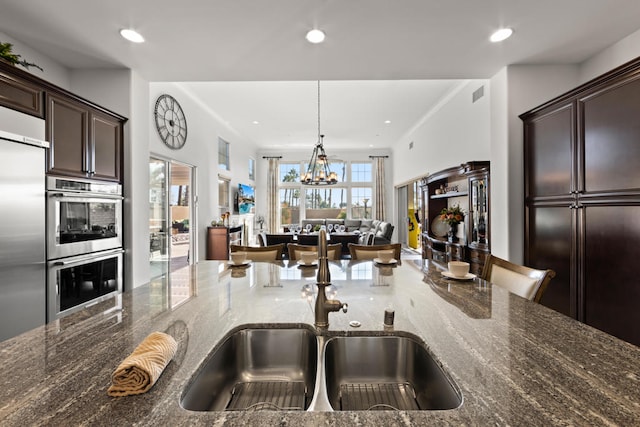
[324, 306]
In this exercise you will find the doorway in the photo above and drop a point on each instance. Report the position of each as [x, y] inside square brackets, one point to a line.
[409, 205]
[171, 216]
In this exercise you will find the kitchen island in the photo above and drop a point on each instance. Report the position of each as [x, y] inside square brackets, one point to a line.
[514, 361]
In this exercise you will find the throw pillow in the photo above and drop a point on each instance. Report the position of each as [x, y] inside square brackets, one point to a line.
[366, 225]
[352, 224]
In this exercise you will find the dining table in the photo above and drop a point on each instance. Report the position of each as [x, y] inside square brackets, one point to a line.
[512, 361]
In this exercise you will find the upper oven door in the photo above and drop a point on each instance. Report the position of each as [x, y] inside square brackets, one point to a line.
[79, 223]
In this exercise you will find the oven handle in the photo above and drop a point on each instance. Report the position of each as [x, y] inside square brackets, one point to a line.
[87, 195]
[76, 260]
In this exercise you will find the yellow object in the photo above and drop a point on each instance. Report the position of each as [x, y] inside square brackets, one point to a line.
[414, 229]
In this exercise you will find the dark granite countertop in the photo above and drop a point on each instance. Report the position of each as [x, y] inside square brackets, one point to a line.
[515, 362]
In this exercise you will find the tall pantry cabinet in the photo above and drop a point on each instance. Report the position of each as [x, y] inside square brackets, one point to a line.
[582, 200]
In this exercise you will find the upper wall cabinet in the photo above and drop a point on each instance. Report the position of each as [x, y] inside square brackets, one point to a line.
[84, 142]
[20, 94]
[86, 139]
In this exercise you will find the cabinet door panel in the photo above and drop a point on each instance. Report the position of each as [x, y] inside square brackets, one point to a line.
[20, 95]
[612, 138]
[549, 160]
[67, 126]
[106, 142]
[612, 291]
[549, 246]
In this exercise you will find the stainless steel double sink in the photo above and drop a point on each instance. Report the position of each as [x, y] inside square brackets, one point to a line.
[295, 368]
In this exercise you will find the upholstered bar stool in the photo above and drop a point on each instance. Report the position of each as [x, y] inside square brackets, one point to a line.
[524, 281]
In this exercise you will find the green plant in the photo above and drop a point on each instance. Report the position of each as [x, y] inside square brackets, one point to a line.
[13, 58]
[452, 216]
[317, 227]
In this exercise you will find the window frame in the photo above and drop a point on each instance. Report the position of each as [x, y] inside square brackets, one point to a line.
[224, 154]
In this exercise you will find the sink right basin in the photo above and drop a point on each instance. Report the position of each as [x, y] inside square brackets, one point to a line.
[385, 373]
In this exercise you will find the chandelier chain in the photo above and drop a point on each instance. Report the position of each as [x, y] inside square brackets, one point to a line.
[319, 112]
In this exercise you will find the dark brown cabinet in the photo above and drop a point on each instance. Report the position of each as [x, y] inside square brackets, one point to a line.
[466, 185]
[218, 240]
[19, 93]
[582, 200]
[86, 139]
[84, 142]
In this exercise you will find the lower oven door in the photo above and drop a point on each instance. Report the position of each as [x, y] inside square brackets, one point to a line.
[78, 282]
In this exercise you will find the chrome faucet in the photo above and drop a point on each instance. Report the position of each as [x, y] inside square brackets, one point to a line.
[323, 305]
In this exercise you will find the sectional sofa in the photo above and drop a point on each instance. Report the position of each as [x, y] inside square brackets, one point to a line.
[382, 231]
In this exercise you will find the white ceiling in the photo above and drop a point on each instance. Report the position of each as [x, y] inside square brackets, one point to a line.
[376, 52]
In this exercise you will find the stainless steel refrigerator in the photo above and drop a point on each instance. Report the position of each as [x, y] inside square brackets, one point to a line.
[22, 234]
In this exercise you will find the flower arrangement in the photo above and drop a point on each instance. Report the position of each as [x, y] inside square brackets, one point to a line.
[452, 215]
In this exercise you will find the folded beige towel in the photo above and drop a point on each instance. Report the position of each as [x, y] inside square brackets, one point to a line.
[142, 368]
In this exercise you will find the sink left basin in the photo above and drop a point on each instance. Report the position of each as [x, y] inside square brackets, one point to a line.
[257, 369]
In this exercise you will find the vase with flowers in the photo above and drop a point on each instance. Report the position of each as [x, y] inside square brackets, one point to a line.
[453, 216]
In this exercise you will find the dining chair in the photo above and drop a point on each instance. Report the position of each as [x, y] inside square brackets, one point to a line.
[526, 282]
[358, 251]
[333, 251]
[261, 253]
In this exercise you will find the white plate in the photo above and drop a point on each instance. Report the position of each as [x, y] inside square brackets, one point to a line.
[469, 276]
[439, 227]
[391, 262]
[313, 263]
[245, 262]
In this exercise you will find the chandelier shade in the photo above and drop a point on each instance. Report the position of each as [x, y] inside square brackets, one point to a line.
[318, 170]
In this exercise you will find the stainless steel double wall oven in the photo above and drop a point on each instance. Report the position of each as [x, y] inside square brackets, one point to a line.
[84, 243]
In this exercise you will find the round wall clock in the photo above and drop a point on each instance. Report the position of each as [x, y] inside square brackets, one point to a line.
[170, 122]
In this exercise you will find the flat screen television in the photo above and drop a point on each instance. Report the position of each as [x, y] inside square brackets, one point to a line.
[245, 200]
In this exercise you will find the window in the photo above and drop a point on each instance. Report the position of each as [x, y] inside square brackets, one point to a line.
[223, 154]
[361, 202]
[361, 172]
[289, 206]
[345, 199]
[290, 173]
[325, 202]
[252, 169]
[223, 195]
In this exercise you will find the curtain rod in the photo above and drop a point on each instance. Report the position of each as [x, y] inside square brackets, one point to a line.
[378, 157]
[271, 157]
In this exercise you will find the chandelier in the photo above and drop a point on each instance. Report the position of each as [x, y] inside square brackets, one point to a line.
[318, 171]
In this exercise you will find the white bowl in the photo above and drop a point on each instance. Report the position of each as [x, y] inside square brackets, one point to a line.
[308, 257]
[385, 255]
[238, 257]
[458, 268]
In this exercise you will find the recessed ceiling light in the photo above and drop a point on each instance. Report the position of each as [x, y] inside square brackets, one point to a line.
[132, 35]
[315, 36]
[501, 34]
[255, 122]
[386, 122]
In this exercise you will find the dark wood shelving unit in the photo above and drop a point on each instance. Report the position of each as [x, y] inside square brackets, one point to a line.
[472, 179]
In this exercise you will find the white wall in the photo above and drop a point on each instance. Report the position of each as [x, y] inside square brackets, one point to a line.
[54, 72]
[452, 133]
[617, 54]
[201, 151]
